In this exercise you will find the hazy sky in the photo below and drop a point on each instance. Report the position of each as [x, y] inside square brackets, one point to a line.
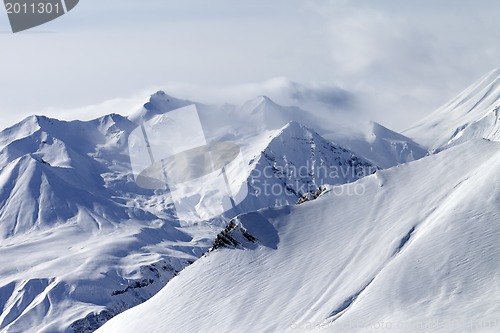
[392, 61]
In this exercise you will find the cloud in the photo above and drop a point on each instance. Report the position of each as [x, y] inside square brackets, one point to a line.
[313, 95]
[394, 61]
[119, 105]
[304, 94]
[319, 98]
[404, 59]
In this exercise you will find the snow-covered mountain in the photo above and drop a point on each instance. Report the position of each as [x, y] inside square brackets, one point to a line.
[415, 249]
[230, 121]
[81, 242]
[158, 104]
[325, 237]
[264, 114]
[381, 145]
[410, 249]
[472, 114]
[48, 174]
[295, 160]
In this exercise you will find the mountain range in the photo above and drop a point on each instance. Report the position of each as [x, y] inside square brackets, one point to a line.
[393, 228]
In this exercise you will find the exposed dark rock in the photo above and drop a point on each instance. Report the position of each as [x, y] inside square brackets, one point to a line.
[311, 195]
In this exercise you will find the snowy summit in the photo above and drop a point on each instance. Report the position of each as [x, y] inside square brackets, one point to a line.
[338, 233]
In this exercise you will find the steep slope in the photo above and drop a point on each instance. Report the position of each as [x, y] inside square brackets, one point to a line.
[409, 249]
[378, 144]
[472, 114]
[487, 127]
[293, 161]
[264, 114]
[82, 242]
[34, 196]
[45, 181]
[158, 103]
[70, 279]
[229, 121]
[381, 146]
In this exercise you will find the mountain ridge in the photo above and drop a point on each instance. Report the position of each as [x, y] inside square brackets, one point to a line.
[81, 242]
[445, 125]
[337, 260]
[68, 196]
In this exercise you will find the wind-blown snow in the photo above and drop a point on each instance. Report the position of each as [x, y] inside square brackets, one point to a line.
[80, 242]
[472, 114]
[417, 248]
[381, 146]
[293, 161]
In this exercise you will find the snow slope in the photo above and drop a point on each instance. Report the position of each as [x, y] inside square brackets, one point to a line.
[381, 146]
[228, 122]
[280, 165]
[293, 161]
[44, 181]
[159, 103]
[378, 144]
[81, 242]
[472, 114]
[409, 249]
[265, 114]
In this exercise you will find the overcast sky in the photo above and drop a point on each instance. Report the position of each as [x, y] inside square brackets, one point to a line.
[391, 61]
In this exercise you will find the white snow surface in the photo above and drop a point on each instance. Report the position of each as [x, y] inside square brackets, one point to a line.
[414, 244]
[472, 114]
[380, 145]
[416, 249]
[81, 242]
[293, 161]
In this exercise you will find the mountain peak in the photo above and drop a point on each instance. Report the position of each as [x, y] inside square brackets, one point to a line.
[24, 128]
[382, 132]
[39, 120]
[158, 103]
[264, 99]
[259, 103]
[295, 160]
[296, 131]
[292, 125]
[160, 96]
[446, 123]
[382, 146]
[266, 114]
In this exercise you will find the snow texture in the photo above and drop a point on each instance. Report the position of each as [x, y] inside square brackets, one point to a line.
[386, 233]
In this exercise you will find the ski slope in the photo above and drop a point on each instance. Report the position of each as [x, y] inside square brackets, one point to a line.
[416, 248]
